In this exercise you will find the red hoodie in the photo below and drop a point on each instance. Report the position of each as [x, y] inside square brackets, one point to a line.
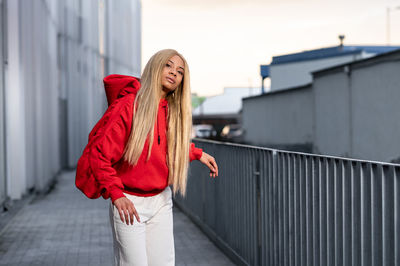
[110, 135]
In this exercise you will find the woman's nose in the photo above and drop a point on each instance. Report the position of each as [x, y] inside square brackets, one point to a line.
[173, 72]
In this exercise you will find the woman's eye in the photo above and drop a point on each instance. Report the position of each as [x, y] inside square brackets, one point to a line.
[168, 65]
[180, 72]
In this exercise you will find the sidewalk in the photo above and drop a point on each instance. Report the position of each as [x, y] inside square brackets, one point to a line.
[65, 228]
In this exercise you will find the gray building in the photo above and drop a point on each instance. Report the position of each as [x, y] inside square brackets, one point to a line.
[348, 110]
[54, 55]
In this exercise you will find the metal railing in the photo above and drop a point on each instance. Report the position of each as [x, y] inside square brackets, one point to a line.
[272, 207]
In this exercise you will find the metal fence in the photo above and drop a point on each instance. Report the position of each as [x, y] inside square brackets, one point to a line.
[272, 207]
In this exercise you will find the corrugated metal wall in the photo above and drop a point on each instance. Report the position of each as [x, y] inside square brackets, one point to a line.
[271, 207]
[53, 91]
[2, 103]
[86, 62]
[38, 80]
[283, 119]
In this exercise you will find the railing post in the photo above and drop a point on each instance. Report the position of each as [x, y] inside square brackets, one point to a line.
[274, 219]
[258, 190]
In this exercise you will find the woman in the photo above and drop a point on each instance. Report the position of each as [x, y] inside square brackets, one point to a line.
[140, 147]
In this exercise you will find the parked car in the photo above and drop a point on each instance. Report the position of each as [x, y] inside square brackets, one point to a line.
[204, 131]
[233, 132]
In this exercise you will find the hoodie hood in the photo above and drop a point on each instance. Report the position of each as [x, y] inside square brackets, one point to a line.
[117, 86]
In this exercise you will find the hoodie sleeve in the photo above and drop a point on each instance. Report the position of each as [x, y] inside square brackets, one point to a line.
[195, 153]
[108, 147]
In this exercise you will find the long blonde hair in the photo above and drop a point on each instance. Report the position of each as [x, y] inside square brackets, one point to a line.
[179, 119]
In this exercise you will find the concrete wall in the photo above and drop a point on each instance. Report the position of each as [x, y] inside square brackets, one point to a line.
[299, 73]
[281, 119]
[357, 113]
[53, 91]
[332, 115]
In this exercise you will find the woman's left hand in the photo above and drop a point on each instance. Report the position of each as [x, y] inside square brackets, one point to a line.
[208, 160]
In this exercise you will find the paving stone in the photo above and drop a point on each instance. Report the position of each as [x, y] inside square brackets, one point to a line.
[63, 227]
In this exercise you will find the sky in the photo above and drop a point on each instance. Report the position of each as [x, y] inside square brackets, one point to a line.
[226, 41]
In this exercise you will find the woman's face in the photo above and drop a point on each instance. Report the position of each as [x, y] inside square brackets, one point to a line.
[172, 74]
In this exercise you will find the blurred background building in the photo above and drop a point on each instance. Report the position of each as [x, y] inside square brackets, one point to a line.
[292, 70]
[53, 57]
[348, 109]
[220, 116]
[339, 101]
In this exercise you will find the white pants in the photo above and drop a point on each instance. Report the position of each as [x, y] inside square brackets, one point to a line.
[150, 242]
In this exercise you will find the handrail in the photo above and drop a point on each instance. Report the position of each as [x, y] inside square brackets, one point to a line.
[275, 207]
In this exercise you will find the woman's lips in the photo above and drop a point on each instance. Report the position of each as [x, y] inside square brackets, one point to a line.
[171, 80]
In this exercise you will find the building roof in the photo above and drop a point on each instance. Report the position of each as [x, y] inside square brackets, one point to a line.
[330, 52]
[281, 91]
[392, 55]
[230, 102]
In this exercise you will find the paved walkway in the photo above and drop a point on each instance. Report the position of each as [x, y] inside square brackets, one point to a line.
[65, 228]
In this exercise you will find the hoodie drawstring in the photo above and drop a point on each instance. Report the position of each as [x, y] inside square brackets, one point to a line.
[158, 131]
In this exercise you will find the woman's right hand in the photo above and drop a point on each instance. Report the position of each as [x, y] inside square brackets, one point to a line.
[126, 209]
